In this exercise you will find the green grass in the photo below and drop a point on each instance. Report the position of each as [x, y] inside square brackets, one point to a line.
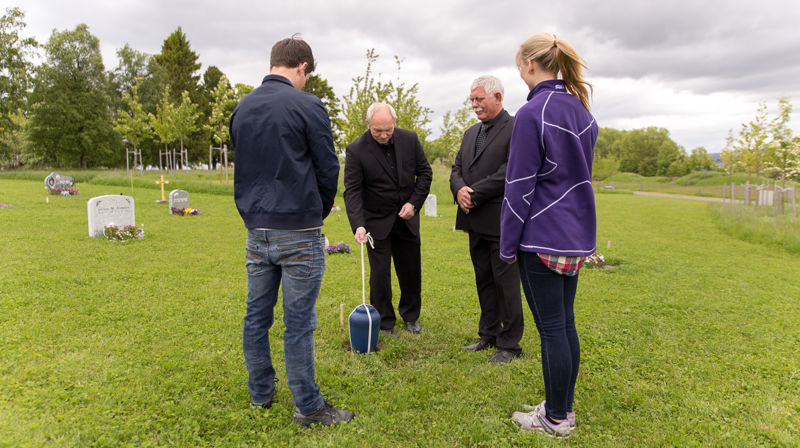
[691, 341]
[759, 225]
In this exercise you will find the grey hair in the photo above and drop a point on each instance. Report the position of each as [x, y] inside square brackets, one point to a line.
[491, 84]
[377, 106]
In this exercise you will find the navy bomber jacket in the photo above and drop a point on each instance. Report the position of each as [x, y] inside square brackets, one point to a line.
[286, 170]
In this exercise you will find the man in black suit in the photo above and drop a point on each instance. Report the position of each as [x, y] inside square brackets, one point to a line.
[477, 181]
[386, 179]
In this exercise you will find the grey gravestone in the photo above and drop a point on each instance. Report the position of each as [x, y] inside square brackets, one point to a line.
[178, 199]
[109, 210]
[430, 205]
[55, 181]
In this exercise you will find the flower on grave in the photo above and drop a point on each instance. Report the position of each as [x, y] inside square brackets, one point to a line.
[335, 209]
[71, 191]
[185, 211]
[596, 260]
[338, 248]
[123, 233]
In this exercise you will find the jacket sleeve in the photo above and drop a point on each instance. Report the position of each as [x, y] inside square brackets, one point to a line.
[424, 176]
[456, 179]
[353, 187]
[323, 155]
[491, 186]
[524, 161]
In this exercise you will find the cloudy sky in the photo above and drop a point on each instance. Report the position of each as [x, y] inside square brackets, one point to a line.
[697, 68]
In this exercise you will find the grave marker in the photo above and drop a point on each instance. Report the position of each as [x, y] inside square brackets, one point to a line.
[109, 210]
[162, 182]
[178, 199]
[54, 182]
[430, 206]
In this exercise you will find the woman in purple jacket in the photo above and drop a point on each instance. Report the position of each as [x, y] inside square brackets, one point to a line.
[548, 218]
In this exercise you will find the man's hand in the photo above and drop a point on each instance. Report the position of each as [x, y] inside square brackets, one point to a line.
[361, 235]
[464, 199]
[407, 212]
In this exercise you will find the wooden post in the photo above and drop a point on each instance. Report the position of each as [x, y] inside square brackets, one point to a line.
[127, 168]
[794, 209]
[733, 192]
[162, 182]
[747, 193]
[225, 152]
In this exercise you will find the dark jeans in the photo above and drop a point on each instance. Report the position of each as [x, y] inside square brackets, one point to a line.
[501, 322]
[403, 247]
[550, 297]
[294, 260]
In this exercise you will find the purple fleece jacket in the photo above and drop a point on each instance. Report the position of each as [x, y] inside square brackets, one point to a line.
[548, 205]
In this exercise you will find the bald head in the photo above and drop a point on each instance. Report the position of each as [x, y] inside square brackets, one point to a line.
[380, 118]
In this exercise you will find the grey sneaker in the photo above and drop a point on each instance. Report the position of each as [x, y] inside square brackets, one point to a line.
[570, 414]
[536, 421]
[327, 415]
[265, 405]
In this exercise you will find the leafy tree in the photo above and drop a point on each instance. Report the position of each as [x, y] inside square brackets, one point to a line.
[15, 79]
[607, 145]
[454, 124]
[211, 78]
[700, 160]
[648, 151]
[132, 122]
[71, 121]
[752, 143]
[185, 119]
[320, 87]
[729, 156]
[132, 68]
[163, 123]
[783, 153]
[367, 89]
[223, 101]
[242, 90]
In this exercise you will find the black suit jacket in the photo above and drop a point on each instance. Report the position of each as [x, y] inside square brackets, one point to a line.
[486, 174]
[373, 195]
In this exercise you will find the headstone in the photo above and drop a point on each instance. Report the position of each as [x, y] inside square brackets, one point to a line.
[178, 199]
[765, 197]
[109, 210]
[55, 181]
[430, 205]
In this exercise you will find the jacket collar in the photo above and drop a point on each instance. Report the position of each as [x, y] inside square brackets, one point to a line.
[277, 78]
[550, 84]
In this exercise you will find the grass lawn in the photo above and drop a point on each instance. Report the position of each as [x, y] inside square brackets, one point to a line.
[692, 340]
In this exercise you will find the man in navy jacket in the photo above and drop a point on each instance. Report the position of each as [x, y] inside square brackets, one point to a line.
[285, 179]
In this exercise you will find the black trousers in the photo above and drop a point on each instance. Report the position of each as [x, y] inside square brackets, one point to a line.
[404, 247]
[498, 285]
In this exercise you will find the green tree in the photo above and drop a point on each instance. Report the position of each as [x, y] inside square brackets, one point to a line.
[242, 90]
[783, 152]
[71, 121]
[607, 145]
[320, 87]
[700, 160]
[163, 123]
[185, 119]
[451, 131]
[15, 80]
[752, 143]
[648, 151]
[223, 101]
[729, 156]
[132, 121]
[181, 65]
[367, 89]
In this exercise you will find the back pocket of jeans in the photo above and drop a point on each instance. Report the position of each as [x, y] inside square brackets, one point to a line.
[297, 260]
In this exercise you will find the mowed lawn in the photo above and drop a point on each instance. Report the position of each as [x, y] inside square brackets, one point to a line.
[692, 340]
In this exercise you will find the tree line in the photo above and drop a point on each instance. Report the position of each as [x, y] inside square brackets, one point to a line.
[69, 111]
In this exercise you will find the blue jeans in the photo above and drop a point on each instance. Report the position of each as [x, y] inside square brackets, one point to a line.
[294, 260]
[550, 297]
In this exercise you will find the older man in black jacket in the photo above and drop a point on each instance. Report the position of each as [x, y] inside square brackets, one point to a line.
[477, 181]
[386, 179]
[285, 180]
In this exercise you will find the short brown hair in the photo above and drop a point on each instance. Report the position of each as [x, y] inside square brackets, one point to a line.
[291, 52]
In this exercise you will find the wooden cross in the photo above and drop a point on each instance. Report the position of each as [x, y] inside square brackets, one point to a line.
[162, 182]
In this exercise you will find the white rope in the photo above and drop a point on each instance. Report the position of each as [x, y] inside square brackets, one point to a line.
[364, 293]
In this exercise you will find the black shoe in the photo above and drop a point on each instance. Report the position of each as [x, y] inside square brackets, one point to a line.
[413, 327]
[326, 416]
[482, 344]
[389, 332]
[265, 405]
[503, 356]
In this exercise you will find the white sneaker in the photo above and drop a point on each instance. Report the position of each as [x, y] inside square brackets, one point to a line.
[570, 414]
[537, 421]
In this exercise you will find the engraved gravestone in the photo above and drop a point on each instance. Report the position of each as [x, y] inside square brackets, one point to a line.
[56, 182]
[109, 210]
[178, 199]
[430, 205]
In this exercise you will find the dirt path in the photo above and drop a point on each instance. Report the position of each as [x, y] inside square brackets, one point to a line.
[681, 196]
